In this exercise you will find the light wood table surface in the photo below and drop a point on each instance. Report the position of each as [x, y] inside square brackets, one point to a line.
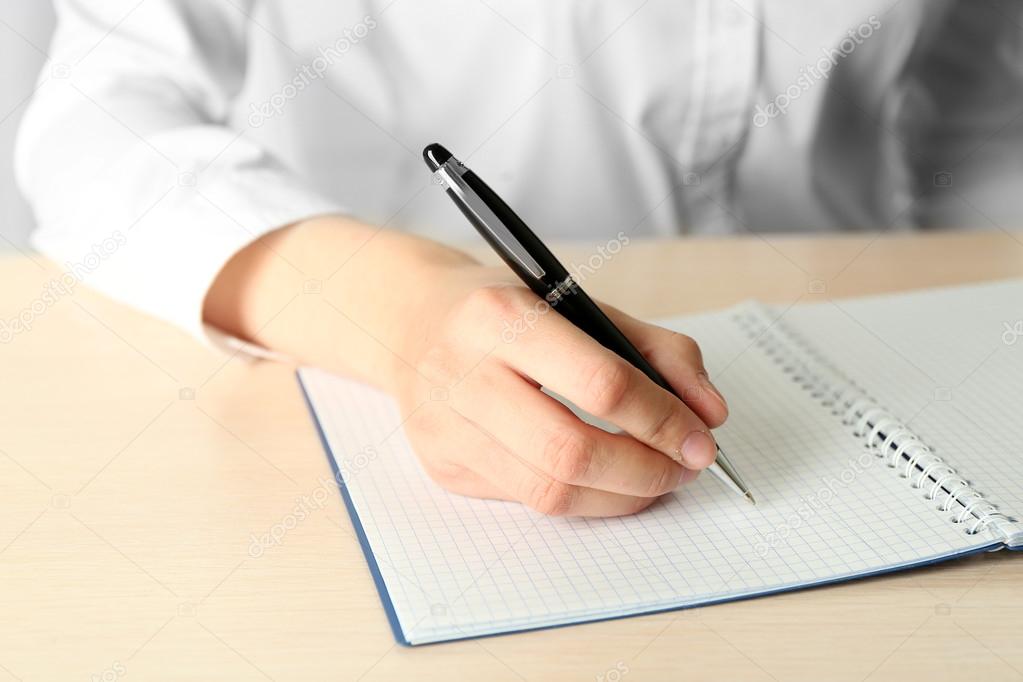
[136, 464]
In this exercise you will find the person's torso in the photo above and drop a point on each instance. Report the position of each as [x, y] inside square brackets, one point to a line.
[590, 118]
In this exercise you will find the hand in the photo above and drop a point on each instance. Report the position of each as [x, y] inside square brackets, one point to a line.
[442, 337]
[481, 426]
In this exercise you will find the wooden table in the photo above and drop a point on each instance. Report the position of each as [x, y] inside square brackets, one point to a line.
[135, 466]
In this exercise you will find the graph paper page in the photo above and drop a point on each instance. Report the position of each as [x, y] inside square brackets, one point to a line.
[455, 567]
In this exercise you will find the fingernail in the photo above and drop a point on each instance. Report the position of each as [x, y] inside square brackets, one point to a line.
[698, 450]
[681, 477]
[688, 476]
[706, 383]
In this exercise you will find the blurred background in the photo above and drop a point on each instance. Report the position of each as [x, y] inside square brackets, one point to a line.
[24, 28]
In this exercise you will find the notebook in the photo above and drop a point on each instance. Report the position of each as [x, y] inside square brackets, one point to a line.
[877, 434]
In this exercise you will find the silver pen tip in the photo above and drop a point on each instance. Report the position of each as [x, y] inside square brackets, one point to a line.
[749, 497]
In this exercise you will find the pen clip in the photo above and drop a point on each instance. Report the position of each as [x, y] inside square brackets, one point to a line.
[450, 173]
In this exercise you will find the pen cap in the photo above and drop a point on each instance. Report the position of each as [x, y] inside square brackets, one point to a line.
[435, 156]
[553, 272]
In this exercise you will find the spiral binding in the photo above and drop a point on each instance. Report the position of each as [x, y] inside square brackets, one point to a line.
[882, 433]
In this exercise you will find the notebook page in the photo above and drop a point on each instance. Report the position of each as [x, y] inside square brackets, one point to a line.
[455, 567]
[949, 362]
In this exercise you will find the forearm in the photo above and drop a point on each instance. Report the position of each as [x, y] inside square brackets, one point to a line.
[412, 316]
[336, 293]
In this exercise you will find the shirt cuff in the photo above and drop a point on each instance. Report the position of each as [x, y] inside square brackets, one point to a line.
[161, 249]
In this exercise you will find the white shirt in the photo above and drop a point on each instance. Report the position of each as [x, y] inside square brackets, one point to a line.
[176, 131]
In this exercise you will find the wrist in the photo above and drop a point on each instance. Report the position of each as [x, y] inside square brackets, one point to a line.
[336, 293]
[430, 291]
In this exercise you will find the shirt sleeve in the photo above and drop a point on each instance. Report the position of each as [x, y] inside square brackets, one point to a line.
[140, 188]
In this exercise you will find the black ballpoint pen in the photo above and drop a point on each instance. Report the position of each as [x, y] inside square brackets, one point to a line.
[535, 265]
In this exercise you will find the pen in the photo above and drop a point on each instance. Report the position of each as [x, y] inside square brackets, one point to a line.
[535, 265]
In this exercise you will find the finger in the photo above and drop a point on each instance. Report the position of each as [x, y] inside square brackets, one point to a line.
[545, 434]
[678, 359]
[562, 358]
[501, 475]
[521, 481]
[430, 432]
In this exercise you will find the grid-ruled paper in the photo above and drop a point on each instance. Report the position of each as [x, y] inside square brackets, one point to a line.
[456, 567]
[948, 362]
